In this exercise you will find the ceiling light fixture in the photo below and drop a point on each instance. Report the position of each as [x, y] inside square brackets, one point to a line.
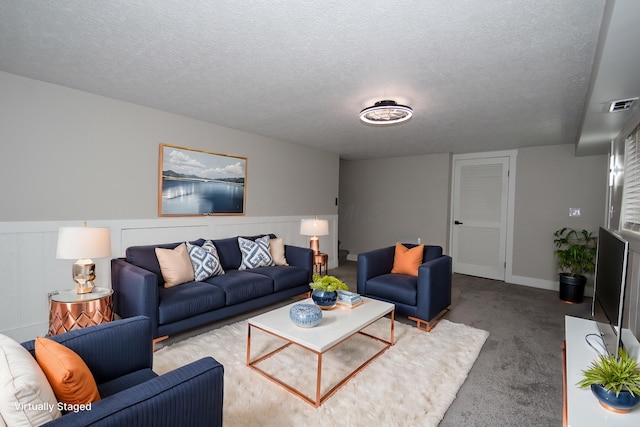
[386, 112]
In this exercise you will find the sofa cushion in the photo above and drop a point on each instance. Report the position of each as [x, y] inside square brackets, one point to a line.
[284, 277]
[24, 388]
[187, 300]
[175, 265]
[126, 381]
[205, 260]
[276, 247]
[229, 253]
[400, 288]
[69, 376]
[240, 286]
[255, 253]
[407, 261]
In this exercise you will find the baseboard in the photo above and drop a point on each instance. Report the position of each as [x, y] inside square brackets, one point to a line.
[352, 257]
[533, 282]
[543, 284]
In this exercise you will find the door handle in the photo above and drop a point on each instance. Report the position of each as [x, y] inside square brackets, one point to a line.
[456, 222]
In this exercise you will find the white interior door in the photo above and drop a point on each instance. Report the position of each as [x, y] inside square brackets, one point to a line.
[479, 229]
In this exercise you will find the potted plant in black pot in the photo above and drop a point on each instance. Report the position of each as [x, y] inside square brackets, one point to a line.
[614, 381]
[575, 254]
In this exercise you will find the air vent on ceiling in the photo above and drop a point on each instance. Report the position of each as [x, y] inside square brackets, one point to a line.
[622, 105]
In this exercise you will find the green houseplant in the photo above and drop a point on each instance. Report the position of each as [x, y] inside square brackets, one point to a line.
[575, 255]
[615, 381]
[325, 289]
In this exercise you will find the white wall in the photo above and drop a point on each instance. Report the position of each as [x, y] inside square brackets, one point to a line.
[73, 155]
[70, 156]
[550, 180]
[400, 199]
[384, 201]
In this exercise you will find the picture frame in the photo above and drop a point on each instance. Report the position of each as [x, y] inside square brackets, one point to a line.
[196, 182]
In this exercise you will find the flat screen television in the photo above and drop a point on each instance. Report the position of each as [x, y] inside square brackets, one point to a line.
[609, 287]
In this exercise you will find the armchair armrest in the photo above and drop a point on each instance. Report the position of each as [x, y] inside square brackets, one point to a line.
[190, 395]
[110, 350]
[434, 286]
[374, 263]
[299, 257]
[135, 292]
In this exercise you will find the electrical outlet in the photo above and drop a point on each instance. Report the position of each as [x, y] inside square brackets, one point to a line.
[575, 212]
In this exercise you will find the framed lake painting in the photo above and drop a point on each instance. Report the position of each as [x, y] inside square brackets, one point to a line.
[196, 182]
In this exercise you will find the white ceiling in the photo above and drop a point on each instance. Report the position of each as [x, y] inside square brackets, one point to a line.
[480, 75]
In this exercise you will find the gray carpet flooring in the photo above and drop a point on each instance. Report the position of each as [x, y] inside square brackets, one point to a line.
[517, 379]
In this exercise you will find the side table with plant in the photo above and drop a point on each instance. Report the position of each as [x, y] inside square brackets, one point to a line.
[325, 289]
[614, 381]
[575, 255]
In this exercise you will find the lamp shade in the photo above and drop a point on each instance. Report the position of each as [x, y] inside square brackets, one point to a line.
[83, 242]
[314, 227]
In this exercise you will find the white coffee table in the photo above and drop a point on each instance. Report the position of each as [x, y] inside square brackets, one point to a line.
[336, 326]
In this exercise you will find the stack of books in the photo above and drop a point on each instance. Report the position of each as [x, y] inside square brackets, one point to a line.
[348, 299]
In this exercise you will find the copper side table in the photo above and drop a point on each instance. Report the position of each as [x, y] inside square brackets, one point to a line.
[69, 310]
[320, 260]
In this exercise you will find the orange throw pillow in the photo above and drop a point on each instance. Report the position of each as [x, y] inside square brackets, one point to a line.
[407, 261]
[69, 376]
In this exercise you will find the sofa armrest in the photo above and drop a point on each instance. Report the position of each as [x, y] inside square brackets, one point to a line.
[135, 292]
[374, 263]
[191, 395]
[112, 349]
[299, 257]
[434, 286]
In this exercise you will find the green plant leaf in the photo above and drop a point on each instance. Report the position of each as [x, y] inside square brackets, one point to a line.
[613, 373]
[327, 283]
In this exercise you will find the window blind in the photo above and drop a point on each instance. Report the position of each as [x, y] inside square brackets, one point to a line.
[631, 198]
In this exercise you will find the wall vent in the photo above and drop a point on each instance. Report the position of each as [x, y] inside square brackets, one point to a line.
[622, 105]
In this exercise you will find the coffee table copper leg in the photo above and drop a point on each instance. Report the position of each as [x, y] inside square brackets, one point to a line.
[319, 380]
[393, 327]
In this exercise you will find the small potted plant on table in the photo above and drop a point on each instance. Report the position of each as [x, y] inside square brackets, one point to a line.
[614, 381]
[325, 289]
[575, 254]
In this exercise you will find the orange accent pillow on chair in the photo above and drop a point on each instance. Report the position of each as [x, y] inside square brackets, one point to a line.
[407, 261]
[70, 378]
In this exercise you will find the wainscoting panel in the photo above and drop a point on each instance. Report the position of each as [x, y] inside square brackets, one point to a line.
[29, 270]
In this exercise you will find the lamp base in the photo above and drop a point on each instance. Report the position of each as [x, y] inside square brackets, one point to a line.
[83, 276]
[314, 244]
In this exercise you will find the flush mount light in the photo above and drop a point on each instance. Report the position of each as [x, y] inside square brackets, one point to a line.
[386, 112]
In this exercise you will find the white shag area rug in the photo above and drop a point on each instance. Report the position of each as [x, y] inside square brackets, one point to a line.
[411, 384]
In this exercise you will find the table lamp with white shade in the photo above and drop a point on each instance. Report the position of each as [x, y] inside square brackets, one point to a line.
[82, 244]
[314, 228]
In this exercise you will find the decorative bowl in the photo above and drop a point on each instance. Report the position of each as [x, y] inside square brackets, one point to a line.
[305, 315]
[324, 299]
[621, 404]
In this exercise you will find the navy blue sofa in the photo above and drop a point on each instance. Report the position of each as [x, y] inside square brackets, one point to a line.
[138, 287]
[119, 355]
[425, 299]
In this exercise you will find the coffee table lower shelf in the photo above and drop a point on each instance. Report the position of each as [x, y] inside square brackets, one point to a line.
[319, 397]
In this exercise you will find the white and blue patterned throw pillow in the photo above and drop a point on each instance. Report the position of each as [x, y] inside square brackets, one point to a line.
[205, 260]
[255, 254]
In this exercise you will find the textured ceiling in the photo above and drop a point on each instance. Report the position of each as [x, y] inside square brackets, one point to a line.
[480, 75]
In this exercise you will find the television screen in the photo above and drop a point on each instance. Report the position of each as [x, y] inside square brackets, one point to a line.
[609, 287]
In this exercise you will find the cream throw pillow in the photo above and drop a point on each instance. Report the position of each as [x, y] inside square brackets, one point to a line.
[26, 398]
[276, 247]
[175, 265]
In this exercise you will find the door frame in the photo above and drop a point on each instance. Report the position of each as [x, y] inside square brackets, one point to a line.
[511, 183]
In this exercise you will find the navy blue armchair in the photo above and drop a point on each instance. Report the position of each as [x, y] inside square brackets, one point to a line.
[424, 299]
[119, 355]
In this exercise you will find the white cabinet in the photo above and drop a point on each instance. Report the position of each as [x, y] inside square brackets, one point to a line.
[581, 408]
